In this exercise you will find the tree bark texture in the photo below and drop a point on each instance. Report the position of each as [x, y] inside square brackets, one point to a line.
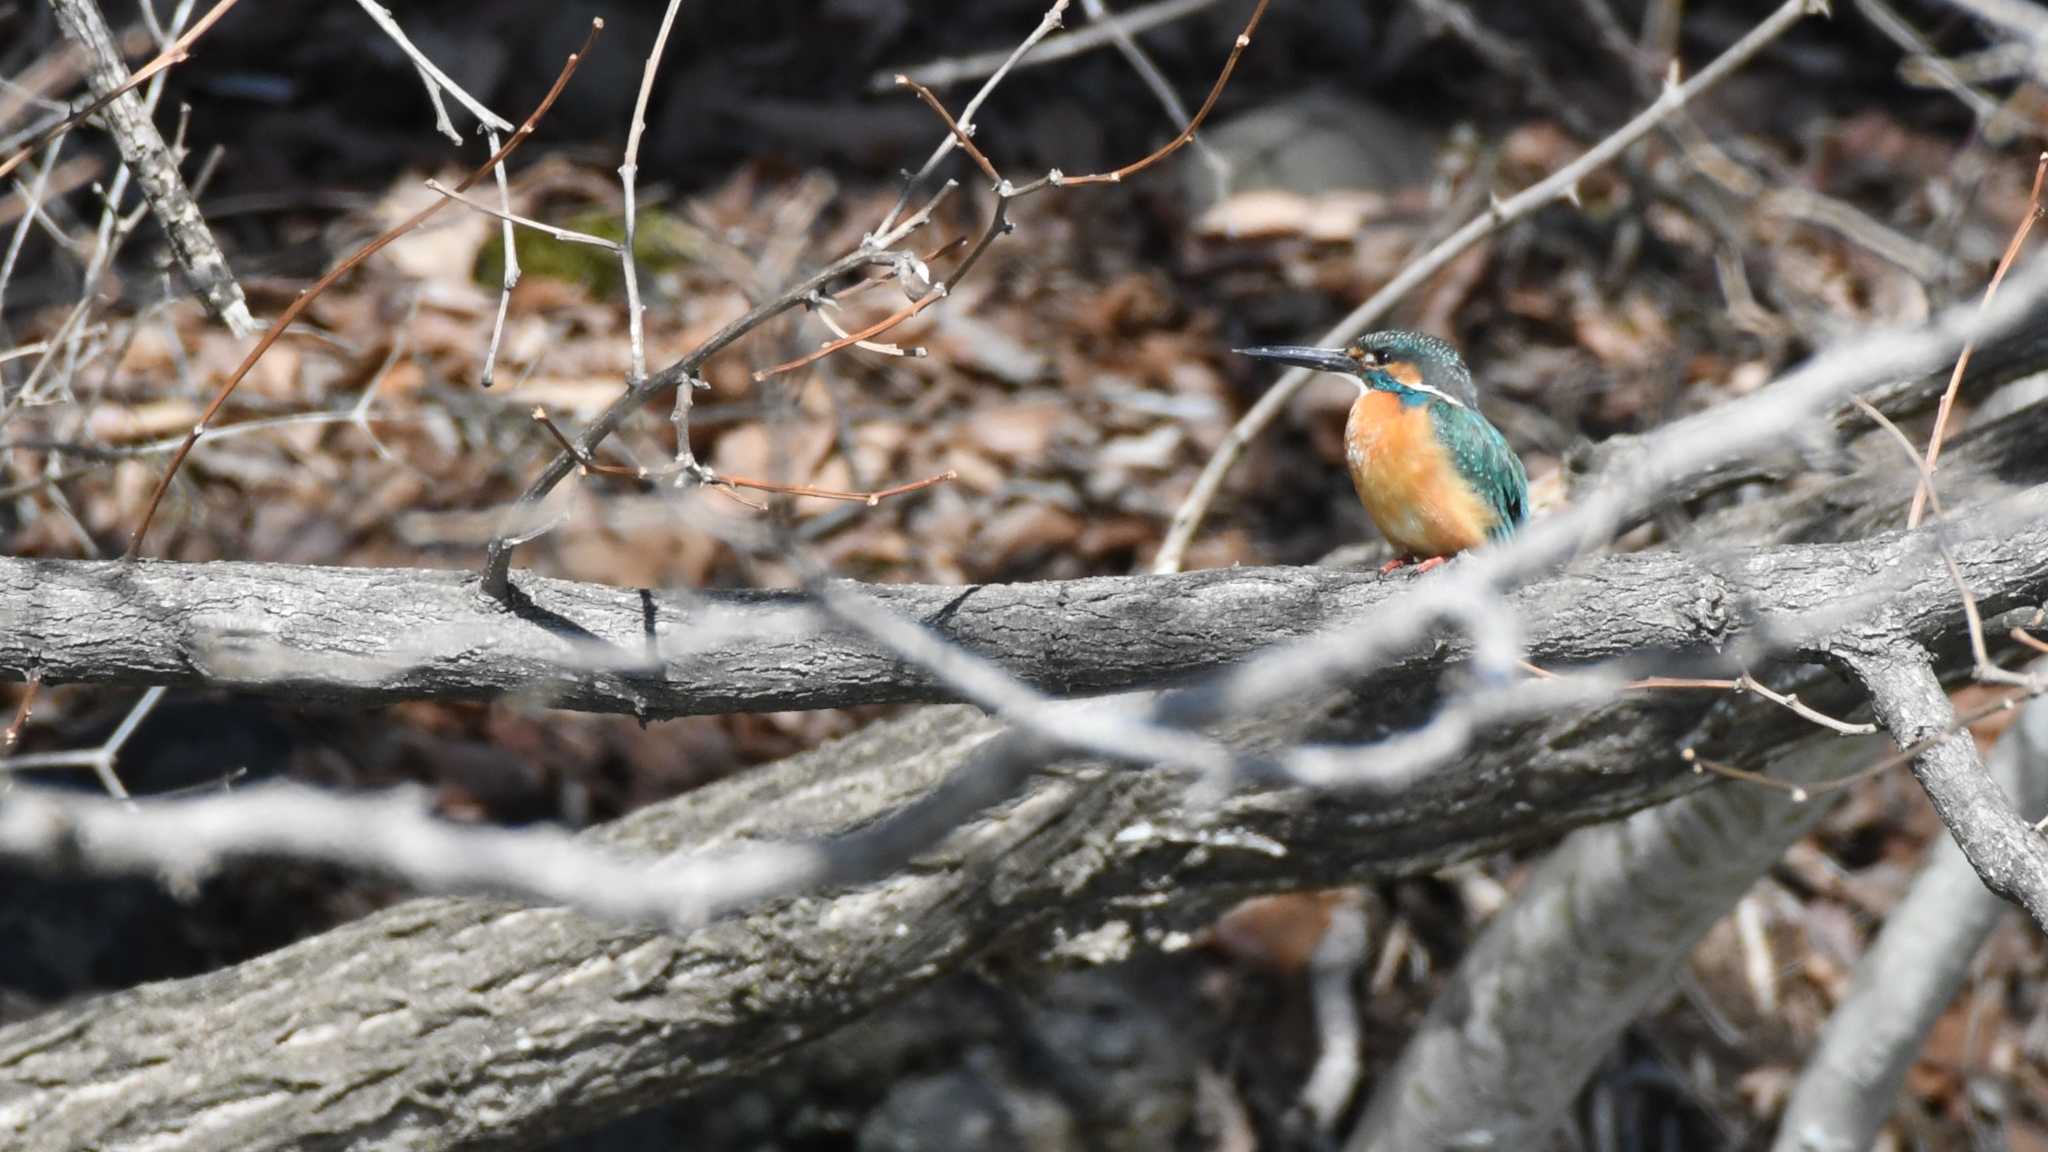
[370, 636]
[444, 1023]
[1911, 972]
[1593, 938]
[156, 169]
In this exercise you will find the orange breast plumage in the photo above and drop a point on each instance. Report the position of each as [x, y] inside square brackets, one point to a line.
[1408, 482]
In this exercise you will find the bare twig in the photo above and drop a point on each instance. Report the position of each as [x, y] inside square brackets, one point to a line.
[1792, 703]
[886, 323]
[1799, 793]
[509, 277]
[967, 144]
[586, 463]
[1127, 46]
[436, 81]
[34, 195]
[112, 235]
[566, 235]
[1103, 33]
[155, 166]
[871, 499]
[1955, 380]
[875, 249]
[1187, 133]
[101, 759]
[175, 54]
[393, 834]
[1504, 55]
[961, 133]
[1986, 668]
[629, 265]
[1923, 65]
[1744, 683]
[1046, 25]
[309, 294]
[1560, 185]
[824, 310]
[683, 373]
[1333, 974]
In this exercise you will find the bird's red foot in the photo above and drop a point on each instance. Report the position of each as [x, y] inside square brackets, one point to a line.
[1426, 565]
[1396, 562]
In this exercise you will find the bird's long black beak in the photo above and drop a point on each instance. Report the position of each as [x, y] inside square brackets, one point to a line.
[1304, 356]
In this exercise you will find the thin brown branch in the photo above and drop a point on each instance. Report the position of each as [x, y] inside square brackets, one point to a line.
[875, 249]
[1903, 756]
[937, 293]
[824, 315]
[1986, 669]
[12, 740]
[1955, 380]
[967, 145]
[1243, 41]
[1053, 18]
[683, 373]
[308, 295]
[1799, 793]
[174, 54]
[869, 498]
[584, 462]
[1907, 754]
[1789, 701]
[1905, 442]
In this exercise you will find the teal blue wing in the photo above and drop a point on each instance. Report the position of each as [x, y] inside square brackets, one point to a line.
[1483, 457]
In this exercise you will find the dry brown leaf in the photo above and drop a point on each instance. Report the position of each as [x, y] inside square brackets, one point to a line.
[1019, 433]
[138, 422]
[1023, 530]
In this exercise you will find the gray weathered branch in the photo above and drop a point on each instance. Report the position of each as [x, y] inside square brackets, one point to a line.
[1910, 974]
[445, 1022]
[369, 636]
[2008, 855]
[143, 149]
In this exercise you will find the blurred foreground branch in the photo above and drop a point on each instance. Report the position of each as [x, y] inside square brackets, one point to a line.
[534, 1021]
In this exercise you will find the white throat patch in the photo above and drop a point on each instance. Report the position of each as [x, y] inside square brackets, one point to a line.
[1439, 393]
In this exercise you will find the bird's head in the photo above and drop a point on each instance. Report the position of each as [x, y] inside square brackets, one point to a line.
[1412, 365]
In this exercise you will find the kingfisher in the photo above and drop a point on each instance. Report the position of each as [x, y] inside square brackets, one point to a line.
[1432, 472]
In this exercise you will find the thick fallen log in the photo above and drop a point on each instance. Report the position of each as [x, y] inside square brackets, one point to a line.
[371, 636]
[446, 1022]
